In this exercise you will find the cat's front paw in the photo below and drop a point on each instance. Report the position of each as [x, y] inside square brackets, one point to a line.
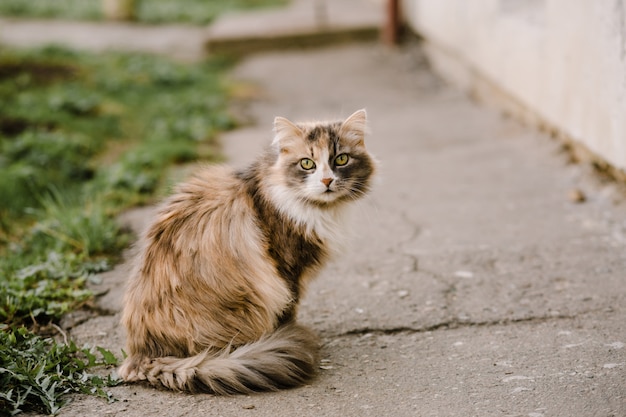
[132, 370]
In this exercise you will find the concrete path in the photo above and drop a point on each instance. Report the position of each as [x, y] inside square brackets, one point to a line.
[475, 286]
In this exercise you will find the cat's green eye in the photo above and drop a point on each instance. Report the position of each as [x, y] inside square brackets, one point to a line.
[341, 159]
[307, 164]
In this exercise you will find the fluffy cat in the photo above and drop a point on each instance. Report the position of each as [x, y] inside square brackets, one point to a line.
[211, 305]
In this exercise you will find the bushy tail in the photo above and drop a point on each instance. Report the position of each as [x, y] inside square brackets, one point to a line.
[285, 358]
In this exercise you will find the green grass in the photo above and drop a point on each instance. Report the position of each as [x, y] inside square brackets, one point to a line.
[82, 137]
[147, 11]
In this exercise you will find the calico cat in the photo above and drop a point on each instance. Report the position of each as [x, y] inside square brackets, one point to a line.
[211, 305]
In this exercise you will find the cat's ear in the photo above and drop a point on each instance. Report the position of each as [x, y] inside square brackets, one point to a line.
[354, 127]
[284, 132]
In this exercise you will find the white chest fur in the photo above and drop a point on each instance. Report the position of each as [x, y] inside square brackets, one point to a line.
[328, 223]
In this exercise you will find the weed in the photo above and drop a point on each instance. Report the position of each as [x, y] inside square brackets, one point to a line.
[41, 290]
[36, 372]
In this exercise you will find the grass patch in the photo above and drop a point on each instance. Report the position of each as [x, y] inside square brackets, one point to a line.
[146, 11]
[82, 137]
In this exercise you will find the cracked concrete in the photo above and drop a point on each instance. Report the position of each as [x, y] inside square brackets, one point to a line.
[474, 286]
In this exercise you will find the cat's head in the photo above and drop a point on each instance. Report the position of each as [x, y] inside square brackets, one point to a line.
[323, 163]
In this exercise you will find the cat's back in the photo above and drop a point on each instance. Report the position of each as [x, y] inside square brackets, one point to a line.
[209, 185]
[204, 257]
[212, 198]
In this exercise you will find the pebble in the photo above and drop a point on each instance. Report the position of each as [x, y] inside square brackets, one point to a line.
[577, 196]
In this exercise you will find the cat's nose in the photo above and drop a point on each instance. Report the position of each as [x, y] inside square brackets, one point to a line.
[327, 181]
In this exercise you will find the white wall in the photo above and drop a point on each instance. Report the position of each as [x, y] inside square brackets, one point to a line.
[563, 59]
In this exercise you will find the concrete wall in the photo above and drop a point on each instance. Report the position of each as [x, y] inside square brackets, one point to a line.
[562, 60]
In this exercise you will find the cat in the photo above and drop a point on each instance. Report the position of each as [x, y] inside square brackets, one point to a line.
[211, 305]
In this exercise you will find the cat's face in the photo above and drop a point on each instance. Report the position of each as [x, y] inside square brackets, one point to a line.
[323, 163]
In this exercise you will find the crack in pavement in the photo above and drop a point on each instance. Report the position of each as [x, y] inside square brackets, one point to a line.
[454, 324]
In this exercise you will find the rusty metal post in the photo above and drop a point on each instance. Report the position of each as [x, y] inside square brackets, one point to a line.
[391, 31]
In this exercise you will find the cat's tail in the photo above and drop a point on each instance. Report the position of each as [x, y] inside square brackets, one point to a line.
[285, 358]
